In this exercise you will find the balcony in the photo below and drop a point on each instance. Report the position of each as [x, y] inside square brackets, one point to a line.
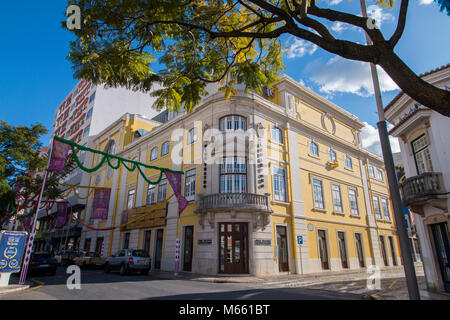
[426, 188]
[234, 201]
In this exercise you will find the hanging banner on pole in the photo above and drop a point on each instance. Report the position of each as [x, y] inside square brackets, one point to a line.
[61, 213]
[58, 156]
[101, 203]
[175, 183]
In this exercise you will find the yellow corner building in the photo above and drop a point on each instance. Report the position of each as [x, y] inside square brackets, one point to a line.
[277, 184]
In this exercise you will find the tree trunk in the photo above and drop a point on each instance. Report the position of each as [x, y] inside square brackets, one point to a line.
[415, 87]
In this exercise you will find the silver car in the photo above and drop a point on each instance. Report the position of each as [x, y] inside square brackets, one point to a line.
[127, 260]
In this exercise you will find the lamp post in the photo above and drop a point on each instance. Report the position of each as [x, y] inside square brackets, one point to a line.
[405, 248]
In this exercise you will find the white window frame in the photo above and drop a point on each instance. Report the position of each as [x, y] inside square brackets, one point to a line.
[316, 201]
[352, 209]
[162, 190]
[165, 148]
[330, 157]
[378, 214]
[276, 134]
[281, 195]
[348, 160]
[385, 208]
[150, 187]
[154, 153]
[337, 207]
[312, 143]
[190, 179]
[379, 174]
[192, 135]
[371, 172]
[131, 195]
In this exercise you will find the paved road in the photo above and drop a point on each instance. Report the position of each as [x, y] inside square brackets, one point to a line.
[96, 285]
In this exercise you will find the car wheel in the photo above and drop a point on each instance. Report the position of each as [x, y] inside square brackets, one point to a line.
[107, 268]
[123, 270]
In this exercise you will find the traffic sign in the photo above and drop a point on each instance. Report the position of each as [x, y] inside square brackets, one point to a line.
[299, 239]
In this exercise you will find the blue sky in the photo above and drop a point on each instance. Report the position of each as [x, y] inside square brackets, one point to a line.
[35, 75]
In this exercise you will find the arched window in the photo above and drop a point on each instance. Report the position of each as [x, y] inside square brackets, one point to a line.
[277, 135]
[165, 148]
[313, 149]
[332, 155]
[154, 154]
[232, 123]
[110, 147]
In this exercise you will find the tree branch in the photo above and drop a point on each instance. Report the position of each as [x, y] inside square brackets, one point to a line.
[400, 25]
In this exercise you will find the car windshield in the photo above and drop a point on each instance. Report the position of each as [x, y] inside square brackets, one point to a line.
[140, 253]
[92, 254]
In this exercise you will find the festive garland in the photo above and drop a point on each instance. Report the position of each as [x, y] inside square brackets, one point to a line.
[107, 157]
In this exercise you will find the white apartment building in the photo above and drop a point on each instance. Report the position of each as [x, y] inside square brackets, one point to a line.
[425, 149]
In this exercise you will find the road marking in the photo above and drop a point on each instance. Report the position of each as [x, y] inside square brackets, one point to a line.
[40, 284]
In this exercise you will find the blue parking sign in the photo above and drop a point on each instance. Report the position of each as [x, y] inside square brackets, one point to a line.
[12, 244]
[299, 239]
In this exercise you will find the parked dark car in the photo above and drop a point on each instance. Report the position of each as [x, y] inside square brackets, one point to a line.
[42, 262]
[68, 256]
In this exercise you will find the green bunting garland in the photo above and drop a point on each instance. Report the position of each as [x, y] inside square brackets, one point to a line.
[107, 157]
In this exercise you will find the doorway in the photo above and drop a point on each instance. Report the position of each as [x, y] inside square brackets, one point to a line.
[323, 251]
[359, 250]
[158, 248]
[342, 249]
[188, 248]
[383, 250]
[442, 247]
[99, 246]
[283, 260]
[391, 245]
[233, 247]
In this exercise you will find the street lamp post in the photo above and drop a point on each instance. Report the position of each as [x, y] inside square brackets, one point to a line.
[405, 248]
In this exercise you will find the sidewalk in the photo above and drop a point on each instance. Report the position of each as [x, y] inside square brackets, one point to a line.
[15, 286]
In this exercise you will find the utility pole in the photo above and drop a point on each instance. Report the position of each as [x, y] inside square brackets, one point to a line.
[405, 248]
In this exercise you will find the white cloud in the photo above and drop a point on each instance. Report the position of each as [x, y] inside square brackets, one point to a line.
[348, 76]
[379, 14]
[425, 2]
[338, 27]
[299, 48]
[335, 2]
[371, 140]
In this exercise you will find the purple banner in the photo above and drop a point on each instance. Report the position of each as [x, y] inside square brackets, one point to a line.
[175, 183]
[61, 213]
[59, 156]
[101, 203]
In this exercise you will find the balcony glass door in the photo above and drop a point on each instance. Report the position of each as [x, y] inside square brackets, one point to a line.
[188, 248]
[422, 155]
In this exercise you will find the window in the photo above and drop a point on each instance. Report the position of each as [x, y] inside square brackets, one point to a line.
[126, 240]
[422, 155]
[232, 123]
[279, 184]
[318, 194]
[110, 147]
[154, 154]
[376, 207]
[277, 135]
[371, 172]
[151, 194]
[165, 148]
[337, 201]
[92, 97]
[87, 245]
[86, 131]
[332, 155]
[313, 149]
[189, 184]
[233, 175]
[192, 136]
[130, 198]
[385, 205]
[348, 162]
[162, 190]
[89, 113]
[353, 202]
[379, 174]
